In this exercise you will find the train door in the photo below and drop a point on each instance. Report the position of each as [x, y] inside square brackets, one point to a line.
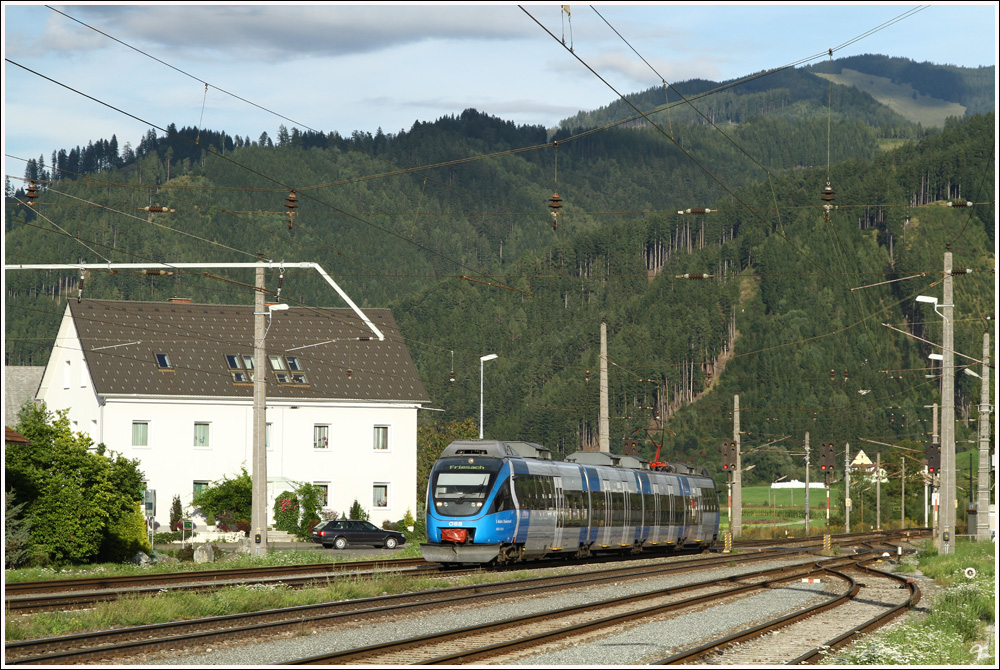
[609, 512]
[559, 509]
[626, 515]
[683, 510]
[654, 515]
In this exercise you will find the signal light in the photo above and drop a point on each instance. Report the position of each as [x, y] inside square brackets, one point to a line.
[728, 456]
[933, 458]
[827, 454]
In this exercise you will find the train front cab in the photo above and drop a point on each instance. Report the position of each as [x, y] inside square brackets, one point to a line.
[470, 511]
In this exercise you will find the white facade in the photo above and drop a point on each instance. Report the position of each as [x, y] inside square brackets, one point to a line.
[182, 443]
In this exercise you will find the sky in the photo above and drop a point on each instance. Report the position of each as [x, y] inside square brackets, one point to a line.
[353, 66]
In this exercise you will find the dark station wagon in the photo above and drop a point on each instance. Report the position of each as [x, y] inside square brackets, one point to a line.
[342, 532]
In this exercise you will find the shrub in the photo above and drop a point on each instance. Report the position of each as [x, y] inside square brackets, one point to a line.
[286, 512]
[358, 512]
[17, 534]
[176, 511]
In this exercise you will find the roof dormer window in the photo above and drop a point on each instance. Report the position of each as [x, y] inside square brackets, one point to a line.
[163, 362]
[237, 364]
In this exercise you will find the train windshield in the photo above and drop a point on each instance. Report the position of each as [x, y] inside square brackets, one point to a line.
[460, 486]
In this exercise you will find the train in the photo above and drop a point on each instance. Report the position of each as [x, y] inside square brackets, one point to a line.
[501, 502]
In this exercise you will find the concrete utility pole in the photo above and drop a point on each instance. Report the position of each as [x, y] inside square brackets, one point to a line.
[902, 494]
[983, 497]
[737, 520]
[948, 498]
[847, 487]
[935, 493]
[259, 480]
[603, 424]
[807, 483]
[878, 491]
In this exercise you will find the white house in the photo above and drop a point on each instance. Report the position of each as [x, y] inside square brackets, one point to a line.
[170, 384]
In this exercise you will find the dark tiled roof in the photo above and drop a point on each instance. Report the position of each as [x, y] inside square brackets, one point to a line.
[13, 437]
[348, 362]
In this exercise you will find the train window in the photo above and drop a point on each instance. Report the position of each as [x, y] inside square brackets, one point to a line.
[459, 486]
[503, 500]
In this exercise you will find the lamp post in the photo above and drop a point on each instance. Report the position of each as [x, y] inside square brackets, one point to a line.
[482, 360]
[947, 488]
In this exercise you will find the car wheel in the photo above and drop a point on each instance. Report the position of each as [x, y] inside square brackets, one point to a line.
[390, 543]
[340, 543]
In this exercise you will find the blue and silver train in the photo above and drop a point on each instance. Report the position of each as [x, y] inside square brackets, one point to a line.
[494, 501]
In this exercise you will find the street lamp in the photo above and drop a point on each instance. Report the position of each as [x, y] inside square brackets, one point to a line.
[947, 490]
[482, 360]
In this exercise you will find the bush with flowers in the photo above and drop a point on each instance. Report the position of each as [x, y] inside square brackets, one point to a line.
[286, 512]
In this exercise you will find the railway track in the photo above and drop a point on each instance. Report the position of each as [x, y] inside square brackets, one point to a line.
[64, 594]
[125, 643]
[875, 598]
[115, 644]
[84, 592]
[513, 639]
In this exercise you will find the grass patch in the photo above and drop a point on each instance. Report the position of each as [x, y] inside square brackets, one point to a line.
[953, 632]
[224, 559]
[169, 606]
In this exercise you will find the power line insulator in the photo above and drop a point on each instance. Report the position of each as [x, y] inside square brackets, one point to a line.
[155, 209]
[32, 193]
[291, 202]
[960, 203]
[555, 204]
[451, 377]
[827, 199]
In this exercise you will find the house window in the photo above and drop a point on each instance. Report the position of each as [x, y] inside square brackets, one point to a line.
[198, 486]
[324, 494]
[321, 436]
[140, 433]
[276, 362]
[202, 434]
[381, 438]
[240, 365]
[163, 362]
[380, 496]
[293, 363]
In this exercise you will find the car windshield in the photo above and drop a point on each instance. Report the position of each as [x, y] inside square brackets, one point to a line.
[459, 486]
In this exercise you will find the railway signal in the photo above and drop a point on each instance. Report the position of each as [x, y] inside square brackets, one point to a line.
[933, 458]
[827, 456]
[729, 456]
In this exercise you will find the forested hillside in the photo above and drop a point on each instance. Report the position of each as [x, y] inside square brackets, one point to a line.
[448, 224]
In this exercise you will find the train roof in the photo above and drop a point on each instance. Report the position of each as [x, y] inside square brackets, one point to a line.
[516, 449]
[497, 449]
